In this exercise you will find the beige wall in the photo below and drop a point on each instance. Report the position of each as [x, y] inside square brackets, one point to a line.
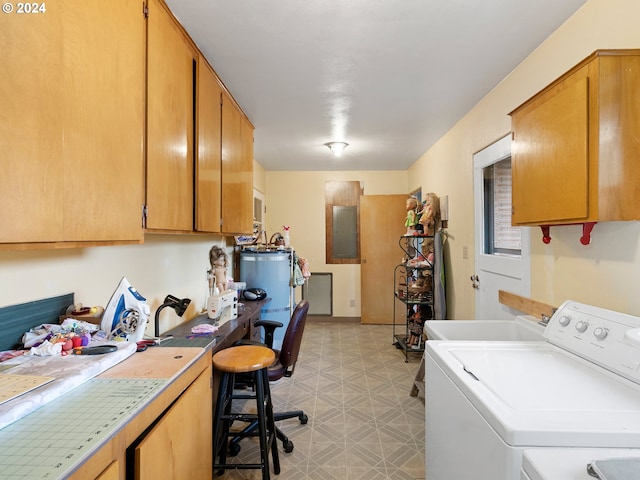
[296, 199]
[165, 264]
[605, 273]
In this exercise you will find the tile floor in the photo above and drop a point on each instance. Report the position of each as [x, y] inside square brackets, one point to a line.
[354, 386]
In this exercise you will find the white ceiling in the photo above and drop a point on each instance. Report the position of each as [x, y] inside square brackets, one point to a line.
[389, 77]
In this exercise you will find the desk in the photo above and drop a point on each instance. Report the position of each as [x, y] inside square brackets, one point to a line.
[228, 333]
[177, 381]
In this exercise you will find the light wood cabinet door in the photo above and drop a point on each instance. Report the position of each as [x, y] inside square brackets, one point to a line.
[72, 115]
[179, 445]
[208, 149]
[170, 71]
[31, 106]
[244, 189]
[237, 169]
[103, 119]
[112, 472]
[550, 168]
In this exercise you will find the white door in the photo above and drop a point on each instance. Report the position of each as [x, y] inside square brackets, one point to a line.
[502, 252]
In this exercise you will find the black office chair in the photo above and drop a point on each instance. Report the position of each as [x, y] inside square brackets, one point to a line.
[284, 366]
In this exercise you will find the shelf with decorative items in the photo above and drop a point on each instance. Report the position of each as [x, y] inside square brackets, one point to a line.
[414, 288]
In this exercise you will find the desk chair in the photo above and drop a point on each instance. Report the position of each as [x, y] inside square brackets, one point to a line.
[283, 366]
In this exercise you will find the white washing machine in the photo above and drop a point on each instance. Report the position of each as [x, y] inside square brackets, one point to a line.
[575, 464]
[486, 402]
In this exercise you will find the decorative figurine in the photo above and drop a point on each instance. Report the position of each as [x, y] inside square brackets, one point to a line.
[412, 215]
[428, 250]
[416, 324]
[219, 260]
[430, 213]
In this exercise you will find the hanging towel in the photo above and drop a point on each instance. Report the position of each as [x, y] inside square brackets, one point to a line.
[439, 299]
[298, 276]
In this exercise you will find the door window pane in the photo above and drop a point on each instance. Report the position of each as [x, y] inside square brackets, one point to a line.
[500, 238]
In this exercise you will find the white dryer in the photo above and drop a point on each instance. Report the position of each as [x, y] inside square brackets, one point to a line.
[486, 402]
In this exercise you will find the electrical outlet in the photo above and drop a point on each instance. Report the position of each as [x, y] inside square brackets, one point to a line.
[465, 252]
[352, 303]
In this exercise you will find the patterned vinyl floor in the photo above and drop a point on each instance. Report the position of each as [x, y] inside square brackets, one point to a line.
[363, 425]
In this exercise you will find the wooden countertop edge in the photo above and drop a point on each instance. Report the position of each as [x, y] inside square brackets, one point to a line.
[114, 449]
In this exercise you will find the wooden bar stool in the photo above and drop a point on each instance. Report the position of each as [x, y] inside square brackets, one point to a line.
[245, 359]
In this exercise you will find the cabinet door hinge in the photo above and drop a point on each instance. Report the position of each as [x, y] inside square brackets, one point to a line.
[145, 212]
[220, 221]
[145, 10]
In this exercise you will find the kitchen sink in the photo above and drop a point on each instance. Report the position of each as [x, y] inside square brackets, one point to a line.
[521, 328]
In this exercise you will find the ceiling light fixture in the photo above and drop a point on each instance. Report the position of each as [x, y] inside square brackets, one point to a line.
[337, 147]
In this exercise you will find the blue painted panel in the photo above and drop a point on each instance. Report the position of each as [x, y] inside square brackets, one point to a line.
[15, 320]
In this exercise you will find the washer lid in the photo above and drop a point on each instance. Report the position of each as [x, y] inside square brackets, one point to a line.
[533, 393]
[546, 380]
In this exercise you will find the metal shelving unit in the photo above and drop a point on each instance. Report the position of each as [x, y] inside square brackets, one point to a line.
[414, 288]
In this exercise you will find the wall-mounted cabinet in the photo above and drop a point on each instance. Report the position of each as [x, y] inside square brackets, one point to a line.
[199, 143]
[73, 141]
[576, 143]
[208, 149]
[237, 169]
[72, 115]
[170, 122]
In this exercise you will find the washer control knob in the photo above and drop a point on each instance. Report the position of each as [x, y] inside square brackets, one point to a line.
[565, 320]
[600, 333]
[582, 326]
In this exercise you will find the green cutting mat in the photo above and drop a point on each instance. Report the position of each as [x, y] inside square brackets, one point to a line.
[53, 440]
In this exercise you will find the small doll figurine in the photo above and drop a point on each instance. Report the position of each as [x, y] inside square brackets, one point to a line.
[415, 330]
[428, 250]
[430, 213]
[218, 260]
[412, 216]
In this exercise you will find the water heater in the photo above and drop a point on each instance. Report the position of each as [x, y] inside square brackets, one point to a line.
[271, 270]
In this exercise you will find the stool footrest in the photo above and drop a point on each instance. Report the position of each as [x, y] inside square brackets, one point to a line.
[241, 417]
[239, 466]
[243, 396]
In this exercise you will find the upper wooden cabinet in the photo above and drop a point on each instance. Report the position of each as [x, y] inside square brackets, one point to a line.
[214, 154]
[224, 159]
[237, 169]
[208, 148]
[171, 61]
[575, 145]
[72, 116]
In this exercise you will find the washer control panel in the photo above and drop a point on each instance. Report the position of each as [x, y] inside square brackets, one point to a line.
[605, 337]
